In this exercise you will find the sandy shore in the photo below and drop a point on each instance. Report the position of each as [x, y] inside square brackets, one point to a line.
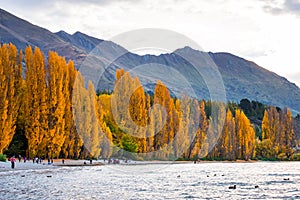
[181, 162]
[6, 166]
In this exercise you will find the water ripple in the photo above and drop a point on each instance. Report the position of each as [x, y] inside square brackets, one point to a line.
[201, 181]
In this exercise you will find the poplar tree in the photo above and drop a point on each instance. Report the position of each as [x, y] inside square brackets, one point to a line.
[36, 99]
[10, 90]
[73, 143]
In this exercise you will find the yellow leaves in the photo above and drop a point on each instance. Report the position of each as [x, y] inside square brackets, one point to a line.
[48, 96]
[137, 107]
[58, 103]
[245, 136]
[175, 128]
[36, 98]
[10, 79]
[119, 73]
[265, 126]
[278, 129]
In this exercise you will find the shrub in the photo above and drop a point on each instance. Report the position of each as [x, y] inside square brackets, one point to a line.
[3, 158]
[282, 156]
[268, 159]
[297, 157]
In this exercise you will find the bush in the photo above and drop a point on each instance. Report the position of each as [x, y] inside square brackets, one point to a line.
[268, 159]
[282, 156]
[3, 158]
[297, 157]
[180, 159]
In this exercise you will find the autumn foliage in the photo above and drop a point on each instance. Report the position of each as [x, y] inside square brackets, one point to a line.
[60, 115]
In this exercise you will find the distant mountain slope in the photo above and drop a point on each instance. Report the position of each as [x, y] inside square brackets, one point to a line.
[98, 59]
[246, 79]
[88, 44]
[22, 33]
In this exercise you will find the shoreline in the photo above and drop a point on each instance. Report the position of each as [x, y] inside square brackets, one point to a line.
[29, 165]
[6, 166]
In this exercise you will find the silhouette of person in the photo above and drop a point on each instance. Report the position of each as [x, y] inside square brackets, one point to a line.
[12, 160]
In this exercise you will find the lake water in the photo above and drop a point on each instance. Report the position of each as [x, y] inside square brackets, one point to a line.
[156, 181]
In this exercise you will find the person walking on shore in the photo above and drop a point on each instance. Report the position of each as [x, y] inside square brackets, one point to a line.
[12, 160]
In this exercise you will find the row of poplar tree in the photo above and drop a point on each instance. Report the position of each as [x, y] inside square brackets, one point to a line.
[62, 117]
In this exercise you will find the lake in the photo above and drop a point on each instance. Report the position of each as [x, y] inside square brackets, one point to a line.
[156, 181]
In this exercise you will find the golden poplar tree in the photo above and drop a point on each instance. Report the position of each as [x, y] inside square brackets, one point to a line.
[58, 96]
[36, 99]
[84, 113]
[214, 132]
[93, 125]
[10, 84]
[181, 142]
[139, 114]
[200, 125]
[73, 143]
[289, 133]
[106, 143]
[271, 133]
[129, 109]
[166, 121]
[245, 136]
[228, 138]
[265, 126]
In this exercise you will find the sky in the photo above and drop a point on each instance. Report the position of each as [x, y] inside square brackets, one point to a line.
[264, 31]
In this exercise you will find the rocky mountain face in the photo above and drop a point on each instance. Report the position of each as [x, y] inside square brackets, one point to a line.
[217, 76]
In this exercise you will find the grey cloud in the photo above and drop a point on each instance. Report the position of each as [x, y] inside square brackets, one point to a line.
[294, 78]
[293, 5]
[27, 5]
[36, 4]
[255, 54]
[273, 10]
[287, 7]
[99, 2]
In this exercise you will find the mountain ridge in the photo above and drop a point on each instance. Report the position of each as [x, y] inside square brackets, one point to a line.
[98, 60]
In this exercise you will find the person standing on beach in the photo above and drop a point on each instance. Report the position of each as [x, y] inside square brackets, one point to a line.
[12, 160]
[19, 157]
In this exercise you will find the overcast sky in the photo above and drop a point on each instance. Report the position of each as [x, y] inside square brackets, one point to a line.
[264, 31]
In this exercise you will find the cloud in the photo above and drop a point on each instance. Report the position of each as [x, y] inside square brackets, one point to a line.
[255, 53]
[293, 6]
[30, 4]
[37, 6]
[101, 2]
[276, 7]
[294, 78]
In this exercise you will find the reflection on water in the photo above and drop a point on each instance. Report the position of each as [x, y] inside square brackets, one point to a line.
[176, 181]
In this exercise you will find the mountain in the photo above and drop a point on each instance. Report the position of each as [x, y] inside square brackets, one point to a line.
[22, 33]
[200, 74]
